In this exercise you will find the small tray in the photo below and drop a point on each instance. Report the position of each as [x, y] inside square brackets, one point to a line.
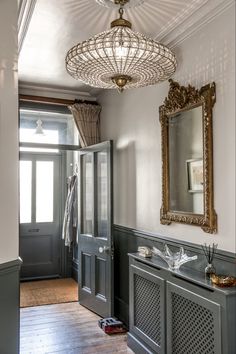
[223, 280]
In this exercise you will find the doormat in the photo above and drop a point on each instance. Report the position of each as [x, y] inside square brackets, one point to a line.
[45, 292]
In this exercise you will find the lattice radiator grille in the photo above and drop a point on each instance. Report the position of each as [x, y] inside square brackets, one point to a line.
[147, 308]
[192, 327]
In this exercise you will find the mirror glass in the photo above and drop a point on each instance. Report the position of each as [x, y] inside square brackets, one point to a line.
[185, 130]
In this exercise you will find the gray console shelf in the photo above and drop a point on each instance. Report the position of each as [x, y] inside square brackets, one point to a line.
[178, 312]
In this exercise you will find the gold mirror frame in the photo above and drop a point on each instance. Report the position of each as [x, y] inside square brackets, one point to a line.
[180, 99]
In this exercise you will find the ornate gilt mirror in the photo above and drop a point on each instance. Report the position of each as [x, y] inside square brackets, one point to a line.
[187, 156]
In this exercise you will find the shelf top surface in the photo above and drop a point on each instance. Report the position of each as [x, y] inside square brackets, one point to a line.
[185, 273]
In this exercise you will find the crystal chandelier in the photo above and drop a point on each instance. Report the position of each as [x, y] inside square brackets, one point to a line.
[120, 58]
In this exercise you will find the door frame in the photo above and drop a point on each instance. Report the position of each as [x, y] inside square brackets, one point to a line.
[24, 155]
[64, 256]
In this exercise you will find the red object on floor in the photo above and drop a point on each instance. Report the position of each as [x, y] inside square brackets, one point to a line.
[111, 325]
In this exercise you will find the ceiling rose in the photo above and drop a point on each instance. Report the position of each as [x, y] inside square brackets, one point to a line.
[120, 58]
[126, 4]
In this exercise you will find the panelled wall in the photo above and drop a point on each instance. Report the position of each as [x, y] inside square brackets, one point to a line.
[131, 119]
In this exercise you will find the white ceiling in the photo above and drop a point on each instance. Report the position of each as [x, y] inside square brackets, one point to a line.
[57, 25]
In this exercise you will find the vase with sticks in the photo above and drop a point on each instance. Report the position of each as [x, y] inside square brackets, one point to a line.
[209, 252]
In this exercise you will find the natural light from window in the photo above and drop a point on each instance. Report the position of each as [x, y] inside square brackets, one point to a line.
[44, 191]
[25, 191]
[49, 137]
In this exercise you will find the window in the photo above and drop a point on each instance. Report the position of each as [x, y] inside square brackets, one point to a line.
[46, 125]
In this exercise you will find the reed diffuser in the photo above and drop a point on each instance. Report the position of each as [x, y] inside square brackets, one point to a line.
[209, 252]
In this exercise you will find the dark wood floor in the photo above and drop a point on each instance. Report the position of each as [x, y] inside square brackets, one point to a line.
[66, 329]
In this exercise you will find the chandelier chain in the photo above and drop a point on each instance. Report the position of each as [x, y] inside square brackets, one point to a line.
[121, 2]
[121, 12]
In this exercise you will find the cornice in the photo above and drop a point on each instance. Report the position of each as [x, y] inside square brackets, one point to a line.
[176, 34]
[36, 90]
[25, 12]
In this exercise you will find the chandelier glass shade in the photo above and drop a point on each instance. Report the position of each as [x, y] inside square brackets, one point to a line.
[120, 58]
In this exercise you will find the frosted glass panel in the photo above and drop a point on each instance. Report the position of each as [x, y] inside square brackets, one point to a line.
[87, 194]
[102, 194]
[44, 191]
[25, 191]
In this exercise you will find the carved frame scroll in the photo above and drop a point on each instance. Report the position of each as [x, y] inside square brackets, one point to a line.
[181, 98]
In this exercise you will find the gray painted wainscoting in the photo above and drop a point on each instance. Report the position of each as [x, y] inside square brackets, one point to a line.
[127, 240]
[9, 307]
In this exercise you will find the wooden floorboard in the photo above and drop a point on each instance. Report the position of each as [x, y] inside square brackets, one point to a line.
[66, 329]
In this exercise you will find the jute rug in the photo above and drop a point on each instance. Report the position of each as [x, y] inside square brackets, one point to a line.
[45, 292]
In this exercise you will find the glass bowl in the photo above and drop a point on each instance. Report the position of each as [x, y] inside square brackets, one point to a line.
[174, 260]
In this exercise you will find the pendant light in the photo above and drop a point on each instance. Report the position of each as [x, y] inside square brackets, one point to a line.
[39, 128]
[120, 58]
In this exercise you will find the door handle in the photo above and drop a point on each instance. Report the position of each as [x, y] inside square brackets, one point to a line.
[104, 249]
[33, 230]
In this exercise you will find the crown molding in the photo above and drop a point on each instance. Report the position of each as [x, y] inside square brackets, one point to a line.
[25, 12]
[194, 22]
[44, 91]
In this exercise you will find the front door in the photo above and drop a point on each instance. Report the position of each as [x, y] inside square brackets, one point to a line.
[95, 242]
[40, 200]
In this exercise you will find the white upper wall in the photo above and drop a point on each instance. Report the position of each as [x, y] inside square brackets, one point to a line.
[8, 131]
[131, 119]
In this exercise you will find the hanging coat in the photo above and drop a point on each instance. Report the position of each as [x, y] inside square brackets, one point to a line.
[70, 215]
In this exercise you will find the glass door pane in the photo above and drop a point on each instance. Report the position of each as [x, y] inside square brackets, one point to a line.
[25, 191]
[87, 180]
[44, 191]
[102, 194]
